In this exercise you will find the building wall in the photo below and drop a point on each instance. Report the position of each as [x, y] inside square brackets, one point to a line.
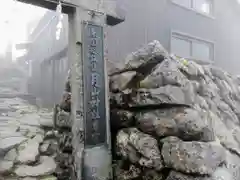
[154, 19]
[145, 21]
[48, 65]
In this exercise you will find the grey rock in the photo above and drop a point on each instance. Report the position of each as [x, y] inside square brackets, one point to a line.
[225, 136]
[192, 70]
[212, 106]
[64, 120]
[187, 124]
[9, 178]
[5, 108]
[49, 147]
[9, 132]
[120, 119]
[5, 166]
[29, 178]
[152, 175]
[232, 167]
[46, 167]
[166, 73]
[32, 130]
[44, 122]
[151, 123]
[31, 119]
[229, 118]
[168, 139]
[131, 173]
[152, 81]
[140, 148]
[121, 81]
[7, 119]
[8, 143]
[11, 155]
[126, 151]
[208, 88]
[201, 102]
[190, 92]
[174, 175]
[48, 178]
[166, 94]
[219, 73]
[222, 173]
[121, 98]
[29, 150]
[143, 55]
[44, 147]
[193, 157]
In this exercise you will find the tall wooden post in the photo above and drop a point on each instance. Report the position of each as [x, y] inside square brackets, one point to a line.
[75, 57]
[91, 135]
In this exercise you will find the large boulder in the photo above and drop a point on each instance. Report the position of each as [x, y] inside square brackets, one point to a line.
[139, 148]
[193, 157]
[185, 123]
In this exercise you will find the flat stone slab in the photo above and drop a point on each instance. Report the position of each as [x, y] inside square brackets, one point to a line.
[192, 157]
[29, 178]
[49, 178]
[8, 143]
[44, 122]
[11, 155]
[6, 108]
[139, 148]
[8, 133]
[173, 175]
[30, 129]
[46, 167]
[7, 119]
[29, 150]
[30, 119]
[5, 166]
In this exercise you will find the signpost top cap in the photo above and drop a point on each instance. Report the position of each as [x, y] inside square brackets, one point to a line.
[112, 8]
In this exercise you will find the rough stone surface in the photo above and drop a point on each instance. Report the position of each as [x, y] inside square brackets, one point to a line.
[11, 155]
[179, 176]
[45, 122]
[28, 151]
[200, 142]
[139, 148]
[193, 157]
[181, 122]
[8, 143]
[47, 166]
[5, 166]
[21, 134]
[151, 137]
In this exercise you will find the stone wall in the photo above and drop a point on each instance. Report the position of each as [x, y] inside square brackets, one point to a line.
[171, 119]
[174, 119]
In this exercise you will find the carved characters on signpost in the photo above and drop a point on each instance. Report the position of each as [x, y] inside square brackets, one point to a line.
[94, 85]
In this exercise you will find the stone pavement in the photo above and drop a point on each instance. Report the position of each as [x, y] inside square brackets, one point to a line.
[28, 144]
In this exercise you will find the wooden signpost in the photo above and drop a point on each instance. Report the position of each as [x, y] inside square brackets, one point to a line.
[91, 154]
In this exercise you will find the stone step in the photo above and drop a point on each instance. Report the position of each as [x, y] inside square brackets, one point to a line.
[8, 143]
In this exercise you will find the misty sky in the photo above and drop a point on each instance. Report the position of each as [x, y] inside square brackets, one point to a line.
[14, 17]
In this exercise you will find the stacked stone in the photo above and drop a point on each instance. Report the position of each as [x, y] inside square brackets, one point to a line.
[63, 125]
[28, 144]
[172, 119]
